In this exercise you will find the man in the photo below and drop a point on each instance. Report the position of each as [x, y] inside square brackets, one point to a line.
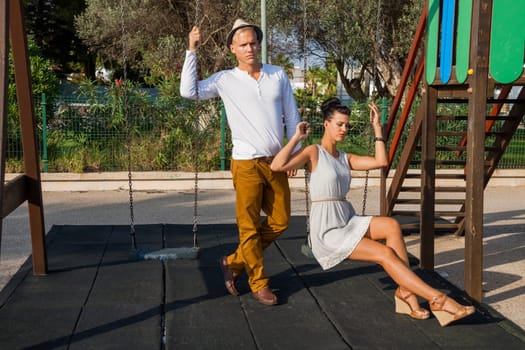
[257, 97]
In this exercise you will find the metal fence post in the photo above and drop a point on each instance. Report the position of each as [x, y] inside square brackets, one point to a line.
[223, 137]
[384, 110]
[44, 134]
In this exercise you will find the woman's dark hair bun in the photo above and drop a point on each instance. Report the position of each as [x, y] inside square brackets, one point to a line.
[330, 103]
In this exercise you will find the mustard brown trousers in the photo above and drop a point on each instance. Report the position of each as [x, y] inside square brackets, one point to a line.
[257, 188]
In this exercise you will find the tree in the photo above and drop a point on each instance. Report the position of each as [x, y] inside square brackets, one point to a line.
[345, 33]
[353, 33]
[43, 81]
[284, 62]
[283, 23]
[50, 23]
[356, 31]
[322, 81]
[154, 33]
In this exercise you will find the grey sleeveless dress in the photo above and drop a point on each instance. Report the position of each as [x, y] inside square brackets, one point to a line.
[335, 229]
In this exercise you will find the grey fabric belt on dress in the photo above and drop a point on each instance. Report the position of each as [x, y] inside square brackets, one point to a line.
[329, 200]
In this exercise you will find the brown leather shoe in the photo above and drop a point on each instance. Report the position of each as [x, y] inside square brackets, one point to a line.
[265, 296]
[229, 277]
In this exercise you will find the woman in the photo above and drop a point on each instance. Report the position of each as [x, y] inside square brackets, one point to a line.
[337, 233]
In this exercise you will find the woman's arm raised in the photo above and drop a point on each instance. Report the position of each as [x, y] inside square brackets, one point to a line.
[380, 159]
[285, 160]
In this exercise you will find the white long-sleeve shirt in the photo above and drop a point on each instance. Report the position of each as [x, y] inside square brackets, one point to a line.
[257, 110]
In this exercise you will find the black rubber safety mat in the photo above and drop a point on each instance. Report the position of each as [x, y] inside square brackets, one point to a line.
[99, 296]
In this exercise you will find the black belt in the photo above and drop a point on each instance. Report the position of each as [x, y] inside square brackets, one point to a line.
[264, 159]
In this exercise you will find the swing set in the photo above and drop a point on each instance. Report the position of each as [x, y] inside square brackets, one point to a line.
[306, 247]
[192, 252]
[163, 253]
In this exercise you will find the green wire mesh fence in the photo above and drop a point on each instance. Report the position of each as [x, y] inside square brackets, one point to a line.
[88, 135]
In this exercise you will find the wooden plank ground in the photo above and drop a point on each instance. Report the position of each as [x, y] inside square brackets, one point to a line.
[98, 296]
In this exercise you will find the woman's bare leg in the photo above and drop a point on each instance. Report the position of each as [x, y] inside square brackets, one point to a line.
[387, 228]
[372, 251]
[397, 269]
[382, 227]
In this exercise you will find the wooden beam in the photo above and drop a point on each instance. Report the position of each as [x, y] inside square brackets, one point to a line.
[509, 128]
[479, 57]
[428, 178]
[29, 140]
[407, 70]
[15, 193]
[404, 160]
[405, 113]
[4, 63]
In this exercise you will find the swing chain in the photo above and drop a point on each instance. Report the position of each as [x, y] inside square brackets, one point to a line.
[304, 108]
[376, 49]
[195, 187]
[195, 148]
[125, 102]
[197, 14]
[365, 193]
[370, 134]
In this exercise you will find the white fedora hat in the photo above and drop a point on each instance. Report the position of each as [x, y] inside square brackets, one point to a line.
[240, 23]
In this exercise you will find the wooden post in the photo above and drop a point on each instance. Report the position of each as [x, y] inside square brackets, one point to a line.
[475, 174]
[428, 178]
[4, 63]
[31, 185]
[383, 205]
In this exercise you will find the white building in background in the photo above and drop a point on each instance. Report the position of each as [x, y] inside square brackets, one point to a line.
[297, 82]
[103, 74]
[342, 94]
